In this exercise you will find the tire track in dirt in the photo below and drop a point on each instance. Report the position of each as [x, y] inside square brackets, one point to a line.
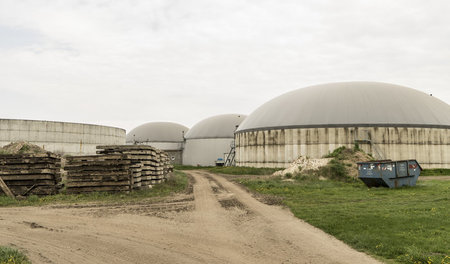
[276, 231]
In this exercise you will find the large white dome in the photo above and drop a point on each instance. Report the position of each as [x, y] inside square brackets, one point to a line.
[350, 104]
[220, 126]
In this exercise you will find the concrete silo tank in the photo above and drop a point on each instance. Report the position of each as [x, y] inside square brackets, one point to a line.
[210, 139]
[60, 137]
[166, 136]
[389, 121]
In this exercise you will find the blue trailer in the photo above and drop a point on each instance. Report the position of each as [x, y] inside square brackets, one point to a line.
[389, 173]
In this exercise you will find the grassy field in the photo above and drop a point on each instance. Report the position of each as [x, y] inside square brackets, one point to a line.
[435, 172]
[406, 225]
[242, 170]
[12, 256]
[230, 170]
[177, 183]
[188, 167]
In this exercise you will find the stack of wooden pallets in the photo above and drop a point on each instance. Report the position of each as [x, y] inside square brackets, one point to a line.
[99, 173]
[136, 174]
[117, 168]
[120, 168]
[148, 162]
[26, 174]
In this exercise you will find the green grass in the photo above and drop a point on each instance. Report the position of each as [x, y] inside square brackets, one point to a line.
[337, 152]
[435, 172]
[405, 225]
[177, 183]
[189, 167]
[12, 256]
[243, 170]
[230, 170]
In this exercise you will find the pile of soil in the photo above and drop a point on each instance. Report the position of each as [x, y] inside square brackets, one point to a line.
[21, 147]
[303, 164]
[349, 157]
[342, 157]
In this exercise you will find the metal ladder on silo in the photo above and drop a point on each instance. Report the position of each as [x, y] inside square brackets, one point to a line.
[375, 149]
[230, 157]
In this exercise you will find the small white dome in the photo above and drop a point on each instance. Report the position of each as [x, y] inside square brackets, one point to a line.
[157, 132]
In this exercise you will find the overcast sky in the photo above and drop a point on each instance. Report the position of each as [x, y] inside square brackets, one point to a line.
[124, 63]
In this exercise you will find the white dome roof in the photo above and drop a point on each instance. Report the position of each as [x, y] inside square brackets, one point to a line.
[157, 132]
[221, 126]
[350, 104]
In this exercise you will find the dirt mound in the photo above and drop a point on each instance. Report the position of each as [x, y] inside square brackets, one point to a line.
[345, 159]
[341, 163]
[21, 147]
[303, 164]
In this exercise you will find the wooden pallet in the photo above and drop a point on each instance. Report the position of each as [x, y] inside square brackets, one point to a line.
[147, 162]
[99, 173]
[27, 174]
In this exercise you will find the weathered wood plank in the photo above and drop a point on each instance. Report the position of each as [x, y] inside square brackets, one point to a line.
[153, 169]
[88, 174]
[20, 177]
[152, 172]
[149, 163]
[9, 171]
[26, 162]
[140, 153]
[98, 163]
[156, 181]
[97, 189]
[30, 166]
[29, 155]
[97, 184]
[37, 190]
[98, 178]
[97, 168]
[157, 177]
[121, 147]
[6, 189]
[112, 156]
[39, 182]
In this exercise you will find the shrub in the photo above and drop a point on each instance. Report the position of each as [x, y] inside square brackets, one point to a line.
[335, 152]
[12, 256]
[334, 170]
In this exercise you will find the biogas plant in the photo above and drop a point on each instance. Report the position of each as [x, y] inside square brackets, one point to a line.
[206, 143]
[386, 120]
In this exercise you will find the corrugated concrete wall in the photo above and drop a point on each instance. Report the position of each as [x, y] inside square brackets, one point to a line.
[279, 147]
[60, 137]
[205, 152]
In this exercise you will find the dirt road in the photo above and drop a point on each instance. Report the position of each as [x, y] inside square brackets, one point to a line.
[217, 223]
